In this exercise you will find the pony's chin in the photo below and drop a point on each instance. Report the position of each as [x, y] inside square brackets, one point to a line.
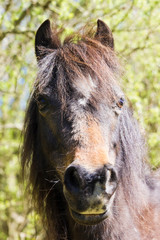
[88, 219]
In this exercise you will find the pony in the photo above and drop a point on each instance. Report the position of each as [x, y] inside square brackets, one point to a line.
[83, 154]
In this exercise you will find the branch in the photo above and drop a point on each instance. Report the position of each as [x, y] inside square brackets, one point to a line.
[7, 7]
[122, 52]
[117, 8]
[142, 47]
[27, 10]
[124, 17]
[137, 29]
[21, 17]
[14, 31]
[136, 49]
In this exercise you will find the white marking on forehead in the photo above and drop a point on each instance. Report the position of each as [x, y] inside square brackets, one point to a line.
[85, 86]
[82, 101]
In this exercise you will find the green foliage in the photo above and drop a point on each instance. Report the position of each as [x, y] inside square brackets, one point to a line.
[136, 29]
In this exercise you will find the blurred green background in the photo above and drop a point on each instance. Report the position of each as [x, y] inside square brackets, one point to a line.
[136, 29]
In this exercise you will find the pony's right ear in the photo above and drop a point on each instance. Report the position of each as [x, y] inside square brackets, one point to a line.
[45, 39]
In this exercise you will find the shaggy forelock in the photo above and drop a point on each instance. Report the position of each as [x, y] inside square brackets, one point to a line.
[85, 63]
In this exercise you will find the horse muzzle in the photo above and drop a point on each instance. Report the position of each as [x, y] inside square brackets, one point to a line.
[89, 194]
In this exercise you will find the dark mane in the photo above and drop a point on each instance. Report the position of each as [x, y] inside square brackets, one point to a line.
[82, 61]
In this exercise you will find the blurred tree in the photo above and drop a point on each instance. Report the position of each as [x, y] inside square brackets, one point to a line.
[136, 29]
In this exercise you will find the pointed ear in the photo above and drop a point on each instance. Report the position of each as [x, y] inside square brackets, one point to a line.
[45, 39]
[104, 34]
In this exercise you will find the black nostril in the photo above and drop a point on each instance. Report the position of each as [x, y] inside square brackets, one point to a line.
[72, 179]
[112, 174]
[113, 177]
[112, 181]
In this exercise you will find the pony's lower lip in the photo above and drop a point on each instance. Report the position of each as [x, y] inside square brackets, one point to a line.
[88, 219]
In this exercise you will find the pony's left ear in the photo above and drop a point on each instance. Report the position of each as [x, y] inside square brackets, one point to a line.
[104, 34]
[44, 39]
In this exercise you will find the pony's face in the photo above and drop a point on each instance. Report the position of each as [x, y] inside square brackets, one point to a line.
[78, 127]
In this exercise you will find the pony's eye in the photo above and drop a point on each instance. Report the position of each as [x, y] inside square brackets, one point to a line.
[42, 102]
[120, 103]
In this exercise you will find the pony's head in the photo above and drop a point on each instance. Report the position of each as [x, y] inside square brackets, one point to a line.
[72, 128]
